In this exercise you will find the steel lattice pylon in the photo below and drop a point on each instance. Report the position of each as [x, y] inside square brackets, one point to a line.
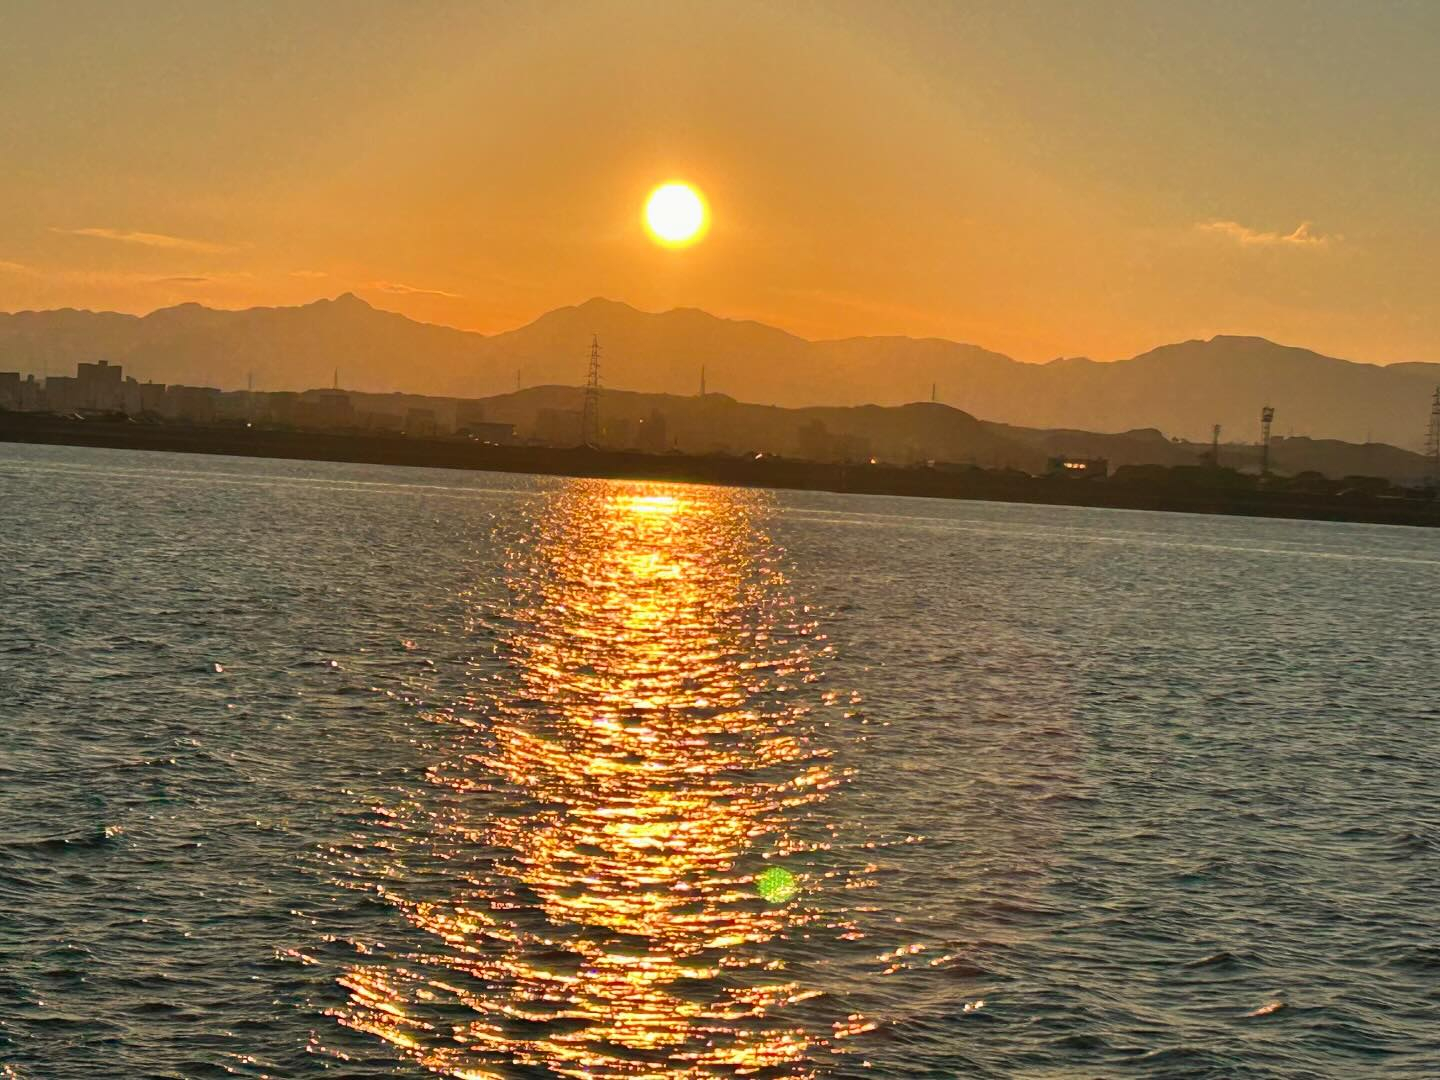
[590, 417]
[1432, 437]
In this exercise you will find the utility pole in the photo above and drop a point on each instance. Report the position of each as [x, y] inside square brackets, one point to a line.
[1215, 447]
[590, 416]
[1267, 414]
[932, 392]
[702, 380]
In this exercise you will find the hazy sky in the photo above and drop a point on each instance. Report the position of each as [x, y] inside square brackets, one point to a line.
[1039, 178]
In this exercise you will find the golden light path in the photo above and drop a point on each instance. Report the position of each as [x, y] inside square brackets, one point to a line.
[648, 749]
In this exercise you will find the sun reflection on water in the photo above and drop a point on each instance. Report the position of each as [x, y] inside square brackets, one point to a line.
[649, 746]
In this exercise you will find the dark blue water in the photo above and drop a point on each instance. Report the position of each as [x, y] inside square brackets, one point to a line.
[316, 769]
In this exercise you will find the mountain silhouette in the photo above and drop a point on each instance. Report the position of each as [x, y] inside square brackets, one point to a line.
[1180, 389]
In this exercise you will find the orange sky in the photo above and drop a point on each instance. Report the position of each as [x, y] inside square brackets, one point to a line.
[1039, 179]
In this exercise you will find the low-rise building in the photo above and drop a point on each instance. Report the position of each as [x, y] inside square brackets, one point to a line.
[62, 394]
[98, 387]
[468, 413]
[490, 431]
[191, 404]
[330, 409]
[382, 422]
[421, 422]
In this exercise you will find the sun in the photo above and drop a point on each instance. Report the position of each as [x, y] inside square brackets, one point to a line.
[676, 214]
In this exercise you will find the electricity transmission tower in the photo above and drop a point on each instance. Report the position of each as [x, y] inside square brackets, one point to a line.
[1432, 438]
[590, 417]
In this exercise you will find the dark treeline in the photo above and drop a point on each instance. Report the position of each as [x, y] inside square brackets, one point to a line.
[1190, 489]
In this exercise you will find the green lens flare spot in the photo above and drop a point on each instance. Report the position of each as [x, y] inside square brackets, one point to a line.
[777, 885]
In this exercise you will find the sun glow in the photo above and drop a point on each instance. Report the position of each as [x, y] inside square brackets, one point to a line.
[676, 214]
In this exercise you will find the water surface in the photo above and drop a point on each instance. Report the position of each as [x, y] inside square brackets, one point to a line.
[312, 769]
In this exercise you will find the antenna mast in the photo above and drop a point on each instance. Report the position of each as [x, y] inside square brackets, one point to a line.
[1215, 447]
[1267, 414]
[590, 416]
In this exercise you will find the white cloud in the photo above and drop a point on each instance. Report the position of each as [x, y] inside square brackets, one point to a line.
[1303, 236]
[400, 288]
[146, 239]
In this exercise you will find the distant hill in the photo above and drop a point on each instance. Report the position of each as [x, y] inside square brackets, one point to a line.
[1179, 389]
[914, 433]
[717, 422]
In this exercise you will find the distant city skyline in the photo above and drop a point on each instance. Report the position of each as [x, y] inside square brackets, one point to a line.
[556, 416]
[1041, 179]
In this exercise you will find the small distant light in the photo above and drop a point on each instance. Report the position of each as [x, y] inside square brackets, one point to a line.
[777, 885]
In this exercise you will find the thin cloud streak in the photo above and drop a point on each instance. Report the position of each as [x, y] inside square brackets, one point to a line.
[401, 289]
[127, 278]
[147, 239]
[1302, 237]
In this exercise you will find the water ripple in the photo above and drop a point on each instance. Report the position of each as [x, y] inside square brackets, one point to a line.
[315, 769]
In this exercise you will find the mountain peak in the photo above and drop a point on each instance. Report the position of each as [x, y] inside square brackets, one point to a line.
[1182, 389]
[174, 309]
[1245, 339]
[603, 303]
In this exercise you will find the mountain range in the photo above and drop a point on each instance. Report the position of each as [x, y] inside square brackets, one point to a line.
[1181, 389]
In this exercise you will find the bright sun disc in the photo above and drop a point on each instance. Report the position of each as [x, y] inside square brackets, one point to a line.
[676, 214]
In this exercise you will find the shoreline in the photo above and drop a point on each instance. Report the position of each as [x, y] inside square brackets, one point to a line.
[769, 472]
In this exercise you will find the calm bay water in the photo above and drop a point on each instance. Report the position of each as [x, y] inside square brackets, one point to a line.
[315, 769]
